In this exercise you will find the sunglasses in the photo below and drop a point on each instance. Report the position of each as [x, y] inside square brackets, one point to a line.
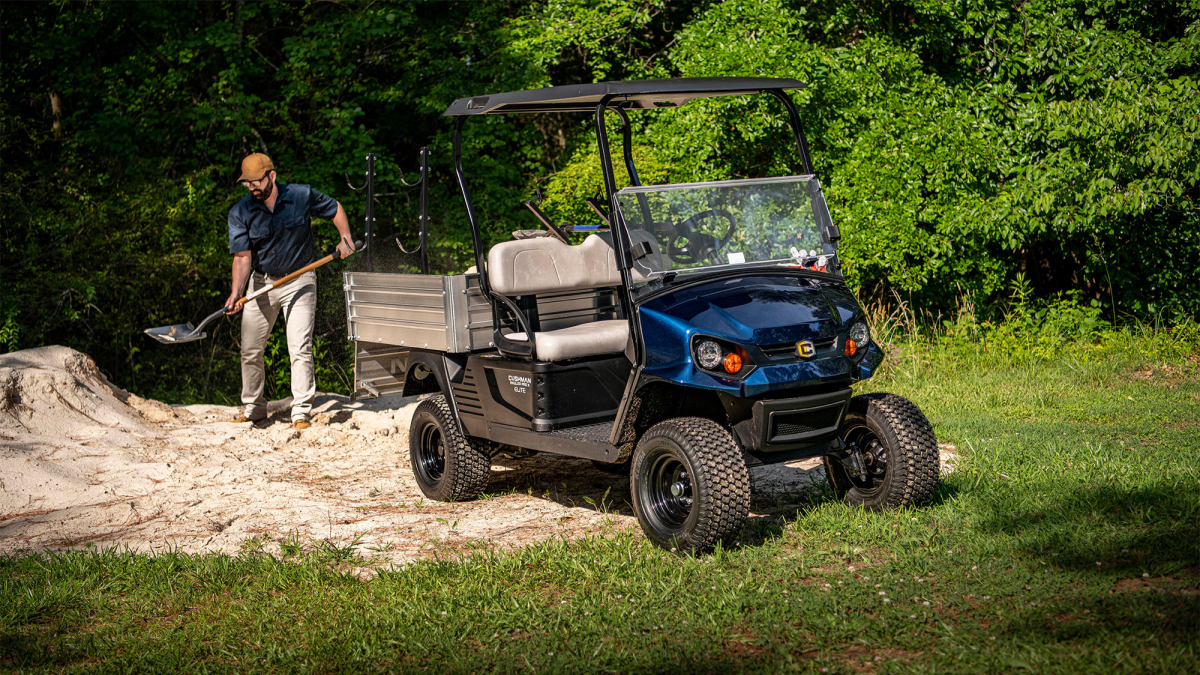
[255, 183]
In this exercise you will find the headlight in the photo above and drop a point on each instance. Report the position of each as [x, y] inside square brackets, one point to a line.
[708, 354]
[860, 334]
[859, 337]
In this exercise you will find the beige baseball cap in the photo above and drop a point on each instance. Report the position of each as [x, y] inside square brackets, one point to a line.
[256, 166]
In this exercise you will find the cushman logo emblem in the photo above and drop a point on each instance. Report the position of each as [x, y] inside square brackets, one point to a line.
[806, 349]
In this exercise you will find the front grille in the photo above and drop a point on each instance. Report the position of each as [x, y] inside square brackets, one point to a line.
[787, 350]
[804, 421]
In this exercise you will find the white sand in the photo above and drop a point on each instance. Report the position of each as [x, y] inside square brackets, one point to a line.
[84, 462]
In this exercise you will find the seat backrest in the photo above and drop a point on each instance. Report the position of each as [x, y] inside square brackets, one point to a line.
[546, 265]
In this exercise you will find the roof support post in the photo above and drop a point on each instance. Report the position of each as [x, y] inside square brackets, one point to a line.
[627, 150]
[620, 237]
[617, 224]
[627, 147]
[797, 129]
[476, 235]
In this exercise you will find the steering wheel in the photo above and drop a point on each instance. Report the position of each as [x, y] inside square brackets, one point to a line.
[698, 246]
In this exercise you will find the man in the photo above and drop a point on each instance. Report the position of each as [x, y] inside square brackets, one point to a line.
[270, 236]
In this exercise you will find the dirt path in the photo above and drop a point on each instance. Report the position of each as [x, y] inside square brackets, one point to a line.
[84, 462]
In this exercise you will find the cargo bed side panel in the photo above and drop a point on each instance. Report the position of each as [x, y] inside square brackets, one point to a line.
[405, 310]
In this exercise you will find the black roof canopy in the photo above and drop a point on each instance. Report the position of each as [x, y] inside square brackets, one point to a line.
[632, 94]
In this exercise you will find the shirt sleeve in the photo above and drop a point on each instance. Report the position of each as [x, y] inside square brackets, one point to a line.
[239, 232]
[321, 205]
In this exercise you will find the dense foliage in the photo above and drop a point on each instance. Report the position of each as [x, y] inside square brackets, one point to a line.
[965, 146]
[962, 147]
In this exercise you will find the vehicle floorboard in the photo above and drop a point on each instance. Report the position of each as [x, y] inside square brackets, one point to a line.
[588, 442]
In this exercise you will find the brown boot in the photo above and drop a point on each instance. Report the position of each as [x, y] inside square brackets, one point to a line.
[301, 424]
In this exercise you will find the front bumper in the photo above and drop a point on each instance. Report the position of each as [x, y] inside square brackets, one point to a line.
[789, 424]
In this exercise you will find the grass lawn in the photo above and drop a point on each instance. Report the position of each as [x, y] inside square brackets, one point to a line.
[1067, 540]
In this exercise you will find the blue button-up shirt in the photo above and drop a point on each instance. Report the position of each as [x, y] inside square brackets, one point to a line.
[279, 242]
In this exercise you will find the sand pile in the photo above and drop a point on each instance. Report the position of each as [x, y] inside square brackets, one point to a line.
[54, 399]
[82, 461]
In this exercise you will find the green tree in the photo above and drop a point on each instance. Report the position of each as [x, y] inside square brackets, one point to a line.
[964, 144]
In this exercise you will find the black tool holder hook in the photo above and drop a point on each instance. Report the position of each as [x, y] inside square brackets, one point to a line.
[351, 185]
[422, 181]
[420, 177]
[369, 220]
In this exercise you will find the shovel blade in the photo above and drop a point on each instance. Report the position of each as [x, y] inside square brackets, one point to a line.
[173, 335]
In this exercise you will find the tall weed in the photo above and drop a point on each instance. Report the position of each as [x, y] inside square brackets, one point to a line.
[1027, 332]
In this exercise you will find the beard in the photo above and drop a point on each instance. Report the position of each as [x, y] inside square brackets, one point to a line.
[264, 193]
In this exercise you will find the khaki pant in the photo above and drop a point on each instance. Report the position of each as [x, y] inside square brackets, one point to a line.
[297, 300]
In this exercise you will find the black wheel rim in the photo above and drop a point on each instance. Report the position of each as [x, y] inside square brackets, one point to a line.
[874, 454]
[431, 454]
[666, 491]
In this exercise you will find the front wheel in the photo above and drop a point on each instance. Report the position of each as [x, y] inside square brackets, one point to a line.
[448, 466]
[898, 449]
[690, 486]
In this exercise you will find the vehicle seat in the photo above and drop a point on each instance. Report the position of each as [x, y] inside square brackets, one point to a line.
[546, 265]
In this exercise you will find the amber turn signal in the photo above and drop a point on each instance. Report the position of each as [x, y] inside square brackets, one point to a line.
[733, 363]
[851, 348]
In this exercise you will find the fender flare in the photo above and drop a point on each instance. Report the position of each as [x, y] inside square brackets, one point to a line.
[446, 369]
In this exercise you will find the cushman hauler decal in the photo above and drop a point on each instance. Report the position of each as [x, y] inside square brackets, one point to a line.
[519, 382]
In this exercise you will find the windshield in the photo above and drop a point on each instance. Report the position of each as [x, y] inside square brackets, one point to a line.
[701, 225]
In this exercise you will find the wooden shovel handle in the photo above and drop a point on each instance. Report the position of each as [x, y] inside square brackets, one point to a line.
[283, 280]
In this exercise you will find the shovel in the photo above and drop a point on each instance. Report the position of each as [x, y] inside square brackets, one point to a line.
[186, 332]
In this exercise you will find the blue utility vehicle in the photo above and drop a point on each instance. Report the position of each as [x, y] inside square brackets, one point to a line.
[701, 329]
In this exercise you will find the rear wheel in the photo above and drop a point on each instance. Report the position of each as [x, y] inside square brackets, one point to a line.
[898, 449]
[690, 486]
[447, 465]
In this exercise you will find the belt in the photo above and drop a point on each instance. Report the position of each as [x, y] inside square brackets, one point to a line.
[263, 276]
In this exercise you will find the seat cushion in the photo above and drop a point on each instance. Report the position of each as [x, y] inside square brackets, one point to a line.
[576, 342]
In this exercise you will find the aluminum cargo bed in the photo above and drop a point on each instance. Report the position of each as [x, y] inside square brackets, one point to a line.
[445, 313]
[389, 314]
